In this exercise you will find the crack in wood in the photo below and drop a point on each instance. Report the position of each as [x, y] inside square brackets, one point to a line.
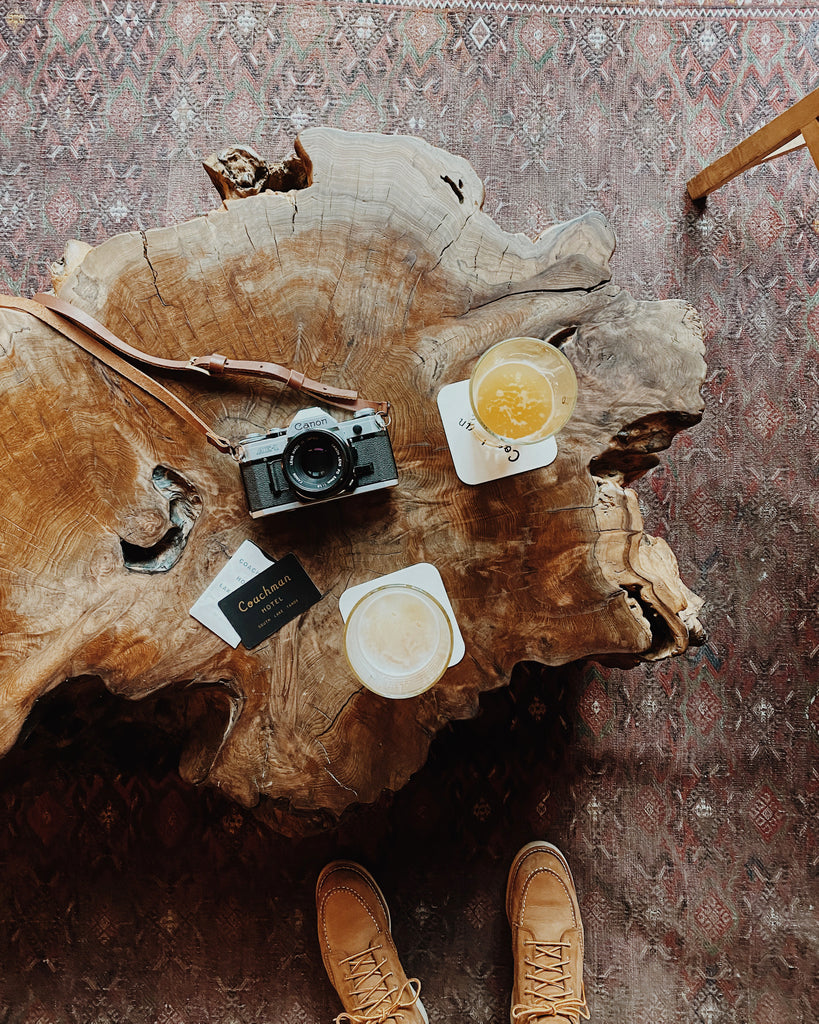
[151, 266]
[457, 189]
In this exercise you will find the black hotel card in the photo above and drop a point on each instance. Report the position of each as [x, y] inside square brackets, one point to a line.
[269, 601]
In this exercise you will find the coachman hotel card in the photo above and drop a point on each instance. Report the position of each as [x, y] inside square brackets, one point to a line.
[270, 600]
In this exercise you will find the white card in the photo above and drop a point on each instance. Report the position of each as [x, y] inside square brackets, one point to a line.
[248, 562]
[475, 462]
[422, 575]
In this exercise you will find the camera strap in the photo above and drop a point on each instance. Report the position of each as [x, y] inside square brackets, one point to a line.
[95, 338]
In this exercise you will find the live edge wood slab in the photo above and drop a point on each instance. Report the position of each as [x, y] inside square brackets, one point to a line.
[364, 261]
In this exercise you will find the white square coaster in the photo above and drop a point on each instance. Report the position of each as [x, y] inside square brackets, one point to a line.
[422, 575]
[476, 462]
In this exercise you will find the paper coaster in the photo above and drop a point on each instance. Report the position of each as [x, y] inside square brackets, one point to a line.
[475, 462]
[422, 575]
[248, 562]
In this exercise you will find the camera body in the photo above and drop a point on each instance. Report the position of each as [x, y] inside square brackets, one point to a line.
[316, 459]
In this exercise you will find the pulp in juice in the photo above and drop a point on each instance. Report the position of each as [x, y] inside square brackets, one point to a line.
[514, 400]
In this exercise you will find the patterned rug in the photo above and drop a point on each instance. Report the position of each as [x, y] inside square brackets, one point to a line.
[684, 794]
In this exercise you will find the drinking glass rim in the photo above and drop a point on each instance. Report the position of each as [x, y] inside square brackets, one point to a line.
[402, 587]
[525, 337]
[552, 350]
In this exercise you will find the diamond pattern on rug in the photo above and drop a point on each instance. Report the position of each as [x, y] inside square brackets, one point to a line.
[686, 793]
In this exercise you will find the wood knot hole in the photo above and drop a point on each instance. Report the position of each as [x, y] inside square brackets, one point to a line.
[184, 507]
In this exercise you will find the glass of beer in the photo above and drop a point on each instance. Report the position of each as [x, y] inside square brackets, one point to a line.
[398, 640]
[522, 390]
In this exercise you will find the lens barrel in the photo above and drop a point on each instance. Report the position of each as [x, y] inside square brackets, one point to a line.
[318, 464]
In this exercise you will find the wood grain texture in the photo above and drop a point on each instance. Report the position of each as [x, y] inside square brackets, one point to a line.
[381, 273]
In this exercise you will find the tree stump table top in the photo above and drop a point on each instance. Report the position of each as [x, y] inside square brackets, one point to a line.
[364, 261]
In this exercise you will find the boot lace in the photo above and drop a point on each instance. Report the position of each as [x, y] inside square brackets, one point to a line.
[377, 998]
[548, 992]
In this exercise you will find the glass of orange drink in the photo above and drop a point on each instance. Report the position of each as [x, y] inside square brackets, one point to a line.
[522, 390]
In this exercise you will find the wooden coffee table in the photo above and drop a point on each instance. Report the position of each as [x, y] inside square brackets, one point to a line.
[365, 261]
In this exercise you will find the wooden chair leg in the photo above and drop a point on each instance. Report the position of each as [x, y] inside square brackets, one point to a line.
[778, 136]
[810, 133]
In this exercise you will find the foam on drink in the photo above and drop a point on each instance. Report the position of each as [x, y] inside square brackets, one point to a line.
[398, 633]
[398, 640]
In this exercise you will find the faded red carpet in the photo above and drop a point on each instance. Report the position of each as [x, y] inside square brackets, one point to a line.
[685, 794]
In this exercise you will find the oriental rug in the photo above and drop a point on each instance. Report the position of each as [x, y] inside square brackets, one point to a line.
[685, 794]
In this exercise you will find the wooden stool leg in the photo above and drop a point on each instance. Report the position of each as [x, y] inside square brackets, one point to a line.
[810, 133]
[800, 119]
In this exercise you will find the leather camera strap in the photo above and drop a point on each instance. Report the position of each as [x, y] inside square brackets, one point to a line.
[85, 341]
[95, 338]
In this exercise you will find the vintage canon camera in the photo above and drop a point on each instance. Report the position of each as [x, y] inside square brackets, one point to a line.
[317, 458]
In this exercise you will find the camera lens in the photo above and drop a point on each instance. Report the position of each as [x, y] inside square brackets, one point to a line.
[317, 463]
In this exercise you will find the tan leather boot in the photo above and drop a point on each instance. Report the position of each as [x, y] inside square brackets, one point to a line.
[547, 938]
[358, 952]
